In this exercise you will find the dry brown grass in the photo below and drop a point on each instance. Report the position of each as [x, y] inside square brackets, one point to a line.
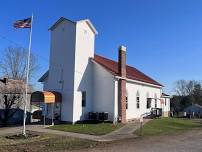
[44, 143]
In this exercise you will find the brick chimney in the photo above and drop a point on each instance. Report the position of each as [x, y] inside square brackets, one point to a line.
[122, 83]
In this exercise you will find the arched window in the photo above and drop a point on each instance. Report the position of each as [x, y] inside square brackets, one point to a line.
[137, 100]
[155, 100]
[126, 99]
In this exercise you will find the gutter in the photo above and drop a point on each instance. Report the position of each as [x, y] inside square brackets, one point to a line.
[138, 82]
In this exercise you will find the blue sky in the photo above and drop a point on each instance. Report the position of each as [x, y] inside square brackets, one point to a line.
[163, 37]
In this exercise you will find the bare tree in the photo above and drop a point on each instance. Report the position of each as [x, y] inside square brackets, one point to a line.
[14, 63]
[184, 87]
[180, 87]
[191, 85]
[188, 92]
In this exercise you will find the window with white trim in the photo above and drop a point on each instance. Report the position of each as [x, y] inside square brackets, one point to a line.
[148, 101]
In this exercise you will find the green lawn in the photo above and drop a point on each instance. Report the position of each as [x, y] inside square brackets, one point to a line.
[91, 129]
[44, 143]
[168, 126]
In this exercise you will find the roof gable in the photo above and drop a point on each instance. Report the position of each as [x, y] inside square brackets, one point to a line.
[197, 105]
[131, 72]
[44, 76]
[58, 22]
[89, 23]
[64, 19]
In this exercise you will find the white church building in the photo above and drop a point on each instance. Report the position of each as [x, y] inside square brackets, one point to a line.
[89, 82]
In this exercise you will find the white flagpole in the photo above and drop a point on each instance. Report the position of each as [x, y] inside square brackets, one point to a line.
[27, 79]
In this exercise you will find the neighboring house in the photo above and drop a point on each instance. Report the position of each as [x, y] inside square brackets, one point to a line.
[165, 104]
[10, 88]
[92, 83]
[195, 110]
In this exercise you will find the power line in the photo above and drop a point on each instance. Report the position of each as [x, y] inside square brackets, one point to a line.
[3, 37]
[20, 45]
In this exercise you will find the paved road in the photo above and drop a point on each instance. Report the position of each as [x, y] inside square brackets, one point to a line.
[186, 142]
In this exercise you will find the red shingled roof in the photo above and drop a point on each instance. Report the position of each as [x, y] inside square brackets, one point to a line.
[131, 72]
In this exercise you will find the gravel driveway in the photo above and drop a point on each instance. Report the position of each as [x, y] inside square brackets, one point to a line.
[185, 142]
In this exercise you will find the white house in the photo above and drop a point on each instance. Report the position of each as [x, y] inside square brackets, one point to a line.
[91, 83]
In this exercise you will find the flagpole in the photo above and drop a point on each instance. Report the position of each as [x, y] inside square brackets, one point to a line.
[27, 79]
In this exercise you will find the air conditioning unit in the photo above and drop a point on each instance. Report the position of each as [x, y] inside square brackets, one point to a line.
[103, 116]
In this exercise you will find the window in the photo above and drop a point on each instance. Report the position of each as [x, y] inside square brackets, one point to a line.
[138, 100]
[84, 99]
[155, 100]
[155, 103]
[126, 102]
[165, 102]
[148, 103]
[126, 99]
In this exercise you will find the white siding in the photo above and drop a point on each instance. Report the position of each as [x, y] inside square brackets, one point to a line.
[45, 84]
[166, 107]
[61, 68]
[116, 103]
[104, 91]
[132, 88]
[70, 70]
[83, 69]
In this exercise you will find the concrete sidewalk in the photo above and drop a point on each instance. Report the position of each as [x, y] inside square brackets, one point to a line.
[122, 133]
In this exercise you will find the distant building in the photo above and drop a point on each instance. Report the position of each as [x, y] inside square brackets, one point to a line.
[165, 98]
[194, 110]
[89, 82]
[10, 87]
